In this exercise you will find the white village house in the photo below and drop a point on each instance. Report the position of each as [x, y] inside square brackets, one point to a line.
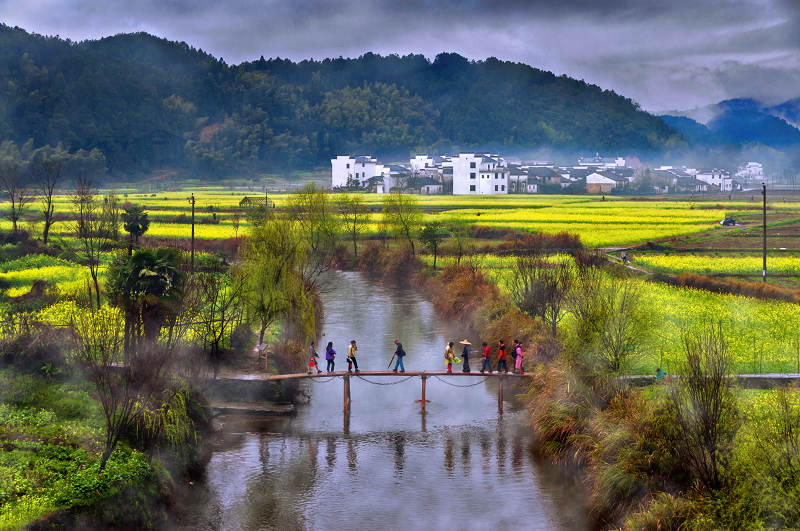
[480, 173]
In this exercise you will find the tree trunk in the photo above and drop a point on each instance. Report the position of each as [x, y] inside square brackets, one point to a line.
[106, 455]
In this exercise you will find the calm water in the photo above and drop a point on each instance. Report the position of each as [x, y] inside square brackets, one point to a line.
[385, 465]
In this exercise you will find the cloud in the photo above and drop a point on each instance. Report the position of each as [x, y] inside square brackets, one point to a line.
[663, 54]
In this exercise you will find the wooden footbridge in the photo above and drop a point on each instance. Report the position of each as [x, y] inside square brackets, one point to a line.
[423, 375]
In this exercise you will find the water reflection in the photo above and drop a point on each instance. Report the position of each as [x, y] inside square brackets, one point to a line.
[385, 464]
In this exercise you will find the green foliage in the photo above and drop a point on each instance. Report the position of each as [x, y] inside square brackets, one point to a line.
[156, 102]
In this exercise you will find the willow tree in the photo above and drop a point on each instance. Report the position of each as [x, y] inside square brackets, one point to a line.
[311, 210]
[275, 262]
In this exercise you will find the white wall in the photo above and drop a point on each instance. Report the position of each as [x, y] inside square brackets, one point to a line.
[341, 168]
[422, 162]
[463, 175]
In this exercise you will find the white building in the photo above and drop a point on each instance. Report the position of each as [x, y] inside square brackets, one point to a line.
[602, 182]
[348, 168]
[752, 171]
[716, 177]
[479, 173]
[420, 162]
[601, 162]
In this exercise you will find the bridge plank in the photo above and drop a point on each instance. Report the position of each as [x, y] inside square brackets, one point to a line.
[298, 376]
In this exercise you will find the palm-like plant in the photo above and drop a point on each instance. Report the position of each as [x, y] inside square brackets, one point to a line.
[135, 222]
[147, 286]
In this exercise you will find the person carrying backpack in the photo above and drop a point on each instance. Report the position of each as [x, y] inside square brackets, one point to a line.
[400, 353]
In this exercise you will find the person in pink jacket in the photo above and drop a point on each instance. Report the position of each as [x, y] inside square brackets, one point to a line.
[518, 363]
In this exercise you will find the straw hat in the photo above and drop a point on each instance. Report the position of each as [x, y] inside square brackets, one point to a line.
[465, 342]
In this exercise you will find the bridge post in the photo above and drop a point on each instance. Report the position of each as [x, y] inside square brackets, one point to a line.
[500, 395]
[424, 381]
[346, 379]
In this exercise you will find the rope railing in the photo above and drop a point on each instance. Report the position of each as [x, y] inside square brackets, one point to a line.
[456, 385]
[378, 383]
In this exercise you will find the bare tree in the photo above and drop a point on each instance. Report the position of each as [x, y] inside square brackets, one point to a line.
[15, 186]
[610, 323]
[47, 175]
[127, 391]
[539, 287]
[222, 294]
[236, 219]
[91, 234]
[112, 215]
[354, 216]
[705, 406]
[401, 212]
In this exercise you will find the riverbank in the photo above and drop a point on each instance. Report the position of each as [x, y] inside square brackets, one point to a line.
[634, 447]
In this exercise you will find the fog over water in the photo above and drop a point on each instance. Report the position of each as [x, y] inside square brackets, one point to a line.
[385, 465]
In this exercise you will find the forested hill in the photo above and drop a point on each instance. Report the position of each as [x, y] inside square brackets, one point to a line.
[143, 103]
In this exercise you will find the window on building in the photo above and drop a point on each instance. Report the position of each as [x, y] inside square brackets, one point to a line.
[472, 188]
[363, 165]
[363, 174]
[471, 164]
[502, 188]
[495, 176]
[348, 166]
[471, 175]
[495, 188]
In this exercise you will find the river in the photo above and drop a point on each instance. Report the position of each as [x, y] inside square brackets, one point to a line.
[385, 465]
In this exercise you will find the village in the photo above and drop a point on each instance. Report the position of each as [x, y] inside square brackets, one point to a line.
[481, 173]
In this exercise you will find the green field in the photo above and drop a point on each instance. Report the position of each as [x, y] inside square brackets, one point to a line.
[599, 223]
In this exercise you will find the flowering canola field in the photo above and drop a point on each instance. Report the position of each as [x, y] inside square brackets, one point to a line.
[747, 265]
[762, 334]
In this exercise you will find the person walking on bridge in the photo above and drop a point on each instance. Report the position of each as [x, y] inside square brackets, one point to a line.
[449, 355]
[465, 354]
[330, 355]
[501, 356]
[312, 362]
[351, 357]
[518, 368]
[487, 357]
[400, 353]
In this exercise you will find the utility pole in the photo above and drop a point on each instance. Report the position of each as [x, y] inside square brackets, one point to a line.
[764, 193]
[192, 200]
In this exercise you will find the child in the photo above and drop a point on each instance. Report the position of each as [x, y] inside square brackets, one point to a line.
[313, 362]
[448, 356]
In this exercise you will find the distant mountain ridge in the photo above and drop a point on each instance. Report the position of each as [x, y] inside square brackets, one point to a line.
[145, 103]
[738, 121]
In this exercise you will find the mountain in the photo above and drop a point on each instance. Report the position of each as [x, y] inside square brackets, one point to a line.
[144, 103]
[741, 126]
[739, 121]
[694, 132]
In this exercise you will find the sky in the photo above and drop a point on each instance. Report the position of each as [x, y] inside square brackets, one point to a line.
[664, 54]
